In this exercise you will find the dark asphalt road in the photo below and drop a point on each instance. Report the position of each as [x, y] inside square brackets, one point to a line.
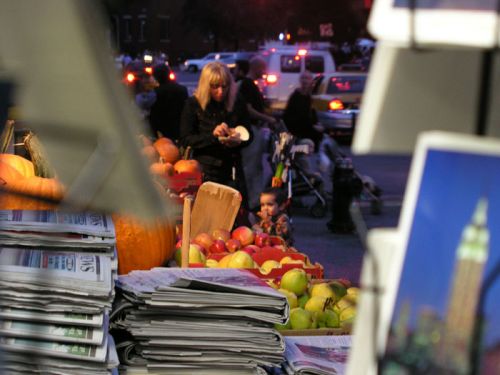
[341, 254]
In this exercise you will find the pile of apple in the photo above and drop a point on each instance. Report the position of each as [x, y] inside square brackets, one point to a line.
[329, 304]
[237, 246]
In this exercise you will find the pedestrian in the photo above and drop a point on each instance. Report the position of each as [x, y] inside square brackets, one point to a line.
[302, 122]
[241, 69]
[207, 126]
[273, 218]
[165, 113]
[253, 155]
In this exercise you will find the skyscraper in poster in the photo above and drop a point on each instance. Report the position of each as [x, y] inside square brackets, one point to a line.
[471, 256]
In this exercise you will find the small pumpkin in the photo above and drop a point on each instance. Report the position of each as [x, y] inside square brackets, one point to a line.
[24, 166]
[189, 165]
[167, 149]
[161, 169]
[142, 245]
[150, 153]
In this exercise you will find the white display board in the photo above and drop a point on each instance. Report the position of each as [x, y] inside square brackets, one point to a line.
[468, 23]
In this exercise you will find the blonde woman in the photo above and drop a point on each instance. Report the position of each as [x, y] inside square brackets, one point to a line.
[206, 123]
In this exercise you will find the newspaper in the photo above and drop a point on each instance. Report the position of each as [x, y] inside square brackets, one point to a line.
[223, 292]
[91, 353]
[22, 362]
[49, 267]
[86, 320]
[52, 332]
[316, 355]
[89, 223]
[191, 319]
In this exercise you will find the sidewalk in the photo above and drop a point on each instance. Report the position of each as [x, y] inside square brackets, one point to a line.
[340, 254]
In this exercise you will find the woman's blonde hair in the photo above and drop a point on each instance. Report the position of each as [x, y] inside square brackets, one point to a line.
[215, 73]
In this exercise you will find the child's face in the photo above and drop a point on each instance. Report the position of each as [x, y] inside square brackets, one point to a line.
[268, 205]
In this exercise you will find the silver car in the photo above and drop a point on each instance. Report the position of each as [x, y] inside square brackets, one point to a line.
[336, 98]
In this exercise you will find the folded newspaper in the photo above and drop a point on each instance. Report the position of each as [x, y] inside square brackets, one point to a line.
[316, 355]
[199, 320]
[90, 231]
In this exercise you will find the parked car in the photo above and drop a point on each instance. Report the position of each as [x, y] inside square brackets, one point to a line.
[246, 55]
[284, 66]
[193, 65]
[336, 97]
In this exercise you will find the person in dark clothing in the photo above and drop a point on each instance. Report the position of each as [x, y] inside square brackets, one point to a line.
[207, 126]
[253, 161]
[165, 113]
[299, 117]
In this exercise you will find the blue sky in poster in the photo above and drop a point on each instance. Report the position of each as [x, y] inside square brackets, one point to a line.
[451, 185]
[449, 4]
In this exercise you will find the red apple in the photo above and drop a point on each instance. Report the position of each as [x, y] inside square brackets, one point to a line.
[178, 246]
[205, 240]
[218, 246]
[251, 249]
[232, 245]
[262, 239]
[243, 234]
[221, 234]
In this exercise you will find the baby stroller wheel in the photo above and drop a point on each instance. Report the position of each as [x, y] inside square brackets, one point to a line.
[318, 209]
[376, 206]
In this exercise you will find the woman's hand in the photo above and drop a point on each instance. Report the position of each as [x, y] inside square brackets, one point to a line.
[221, 130]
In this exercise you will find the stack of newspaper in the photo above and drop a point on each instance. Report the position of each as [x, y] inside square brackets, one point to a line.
[316, 355]
[57, 273]
[198, 320]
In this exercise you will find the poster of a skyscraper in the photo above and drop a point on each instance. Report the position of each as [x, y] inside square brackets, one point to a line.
[446, 314]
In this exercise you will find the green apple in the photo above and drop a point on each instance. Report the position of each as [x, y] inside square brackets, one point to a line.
[302, 300]
[300, 318]
[291, 297]
[348, 314]
[195, 255]
[331, 319]
[269, 265]
[324, 290]
[295, 280]
[316, 304]
[241, 259]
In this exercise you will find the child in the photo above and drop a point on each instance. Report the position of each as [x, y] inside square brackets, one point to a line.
[274, 220]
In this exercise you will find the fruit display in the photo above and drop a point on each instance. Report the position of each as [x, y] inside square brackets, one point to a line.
[317, 307]
[266, 256]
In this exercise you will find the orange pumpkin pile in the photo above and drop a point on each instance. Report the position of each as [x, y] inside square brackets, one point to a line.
[165, 158]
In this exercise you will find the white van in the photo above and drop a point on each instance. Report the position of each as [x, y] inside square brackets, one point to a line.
[284, 66]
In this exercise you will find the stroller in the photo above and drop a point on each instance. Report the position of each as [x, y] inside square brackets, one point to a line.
[291, 173]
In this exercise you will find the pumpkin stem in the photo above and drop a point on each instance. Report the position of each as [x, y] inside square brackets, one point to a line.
[6, 136]
[187, 153]
[38, 156]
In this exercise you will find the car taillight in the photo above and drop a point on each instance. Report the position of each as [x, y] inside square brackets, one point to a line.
[335, 105]
[148, 70]
[171, 76]
[130, 77]
[271, 79]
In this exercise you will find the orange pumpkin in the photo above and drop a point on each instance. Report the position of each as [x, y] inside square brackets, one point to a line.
[150, 153]
[161, 169]
[24, 166]
[8, 175]
[167, 150]
[141, 245]
[189, 165]
[45, 188]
